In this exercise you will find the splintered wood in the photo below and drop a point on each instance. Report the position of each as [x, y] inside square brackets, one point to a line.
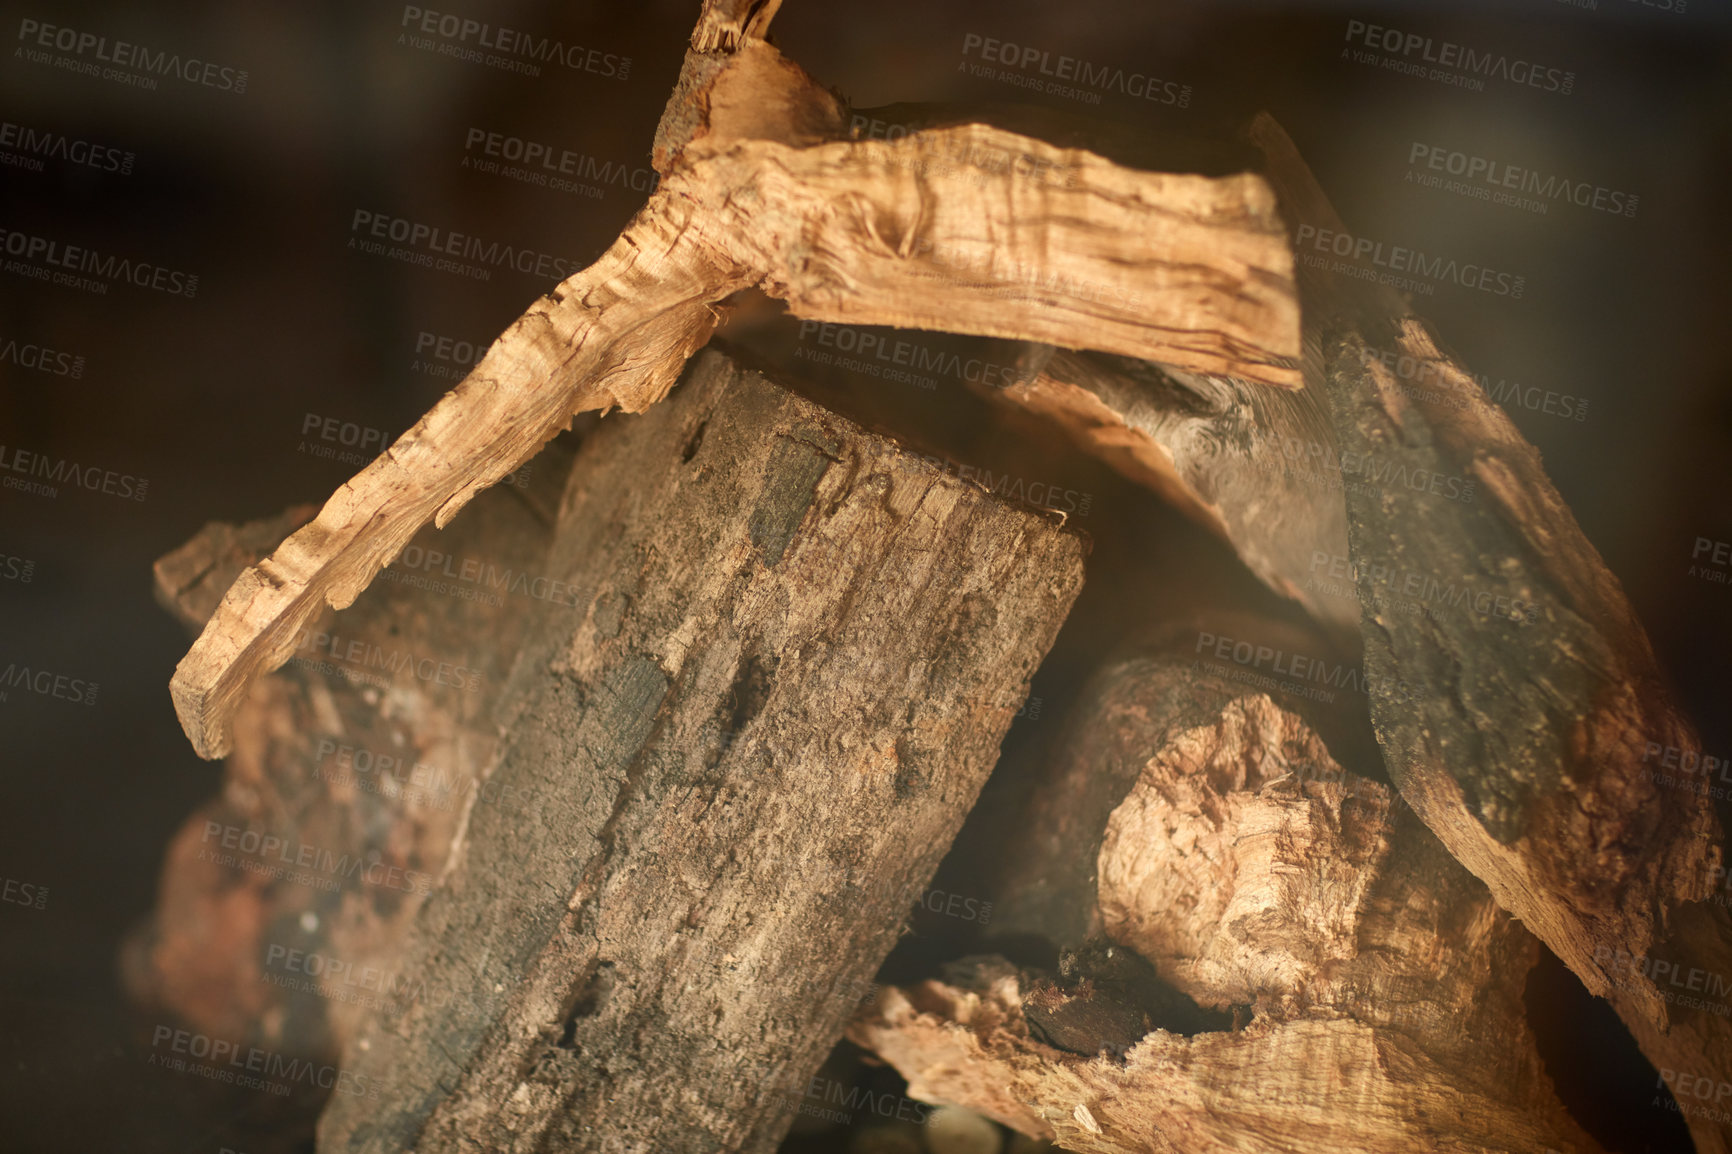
[1379, 987]
[969, 229]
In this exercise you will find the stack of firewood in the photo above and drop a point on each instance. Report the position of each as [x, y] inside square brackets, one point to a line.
[587, 819]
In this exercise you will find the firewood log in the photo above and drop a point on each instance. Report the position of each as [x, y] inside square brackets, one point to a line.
[797, 650]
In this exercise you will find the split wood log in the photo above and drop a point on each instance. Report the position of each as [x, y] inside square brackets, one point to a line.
[356, 762]
[798, 650]
[1376, 988]
[1529, 723]
[970, 229]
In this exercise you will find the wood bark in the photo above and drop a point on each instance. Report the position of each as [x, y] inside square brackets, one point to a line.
[1369, 990]
[1238, 458]
[797, 651]
[970, 229]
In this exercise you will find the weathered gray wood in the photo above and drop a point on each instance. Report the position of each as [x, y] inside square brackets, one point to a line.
[796, 652]
[1240, 459]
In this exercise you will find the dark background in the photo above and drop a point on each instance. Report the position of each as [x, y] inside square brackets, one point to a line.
[206, 397]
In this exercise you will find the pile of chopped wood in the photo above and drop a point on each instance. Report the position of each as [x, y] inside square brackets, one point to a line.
[592, 818]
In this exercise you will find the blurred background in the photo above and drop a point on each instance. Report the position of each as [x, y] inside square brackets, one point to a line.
[261, 170]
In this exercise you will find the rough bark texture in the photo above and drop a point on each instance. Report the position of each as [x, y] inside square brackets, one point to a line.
[1375, 987]
[357, 765]
[796, 653]
[1523, 713]
[970, 229]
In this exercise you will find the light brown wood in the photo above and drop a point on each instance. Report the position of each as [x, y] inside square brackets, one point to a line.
[970, 229]
[1377, 987]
